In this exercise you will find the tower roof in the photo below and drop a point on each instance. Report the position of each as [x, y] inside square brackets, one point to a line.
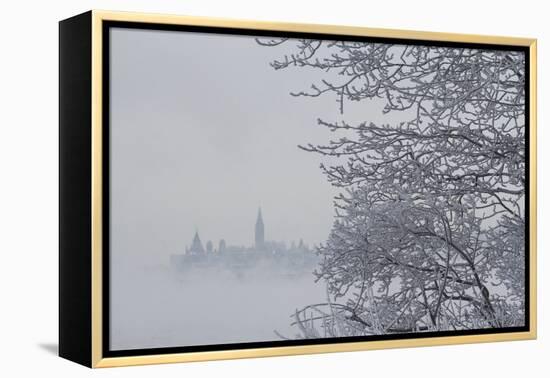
[196, 246]
[259, 236]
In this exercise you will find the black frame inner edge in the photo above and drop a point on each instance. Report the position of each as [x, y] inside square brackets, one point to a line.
[107, 352]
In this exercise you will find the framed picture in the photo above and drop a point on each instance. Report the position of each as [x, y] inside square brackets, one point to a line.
[236, 189]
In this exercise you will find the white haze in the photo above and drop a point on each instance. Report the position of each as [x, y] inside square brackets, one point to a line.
[164, 309]
[203, 132]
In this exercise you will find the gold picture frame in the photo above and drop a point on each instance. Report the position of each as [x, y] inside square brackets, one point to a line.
[81, 254]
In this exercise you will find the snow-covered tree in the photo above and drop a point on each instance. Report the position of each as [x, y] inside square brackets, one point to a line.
[429, 231]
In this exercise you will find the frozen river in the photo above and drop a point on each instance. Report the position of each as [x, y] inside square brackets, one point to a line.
[157, 307]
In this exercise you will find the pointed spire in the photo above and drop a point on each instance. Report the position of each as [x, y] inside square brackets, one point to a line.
[259, 236]
[196, 246]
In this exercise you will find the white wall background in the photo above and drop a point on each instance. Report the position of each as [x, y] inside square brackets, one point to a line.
[28, 186]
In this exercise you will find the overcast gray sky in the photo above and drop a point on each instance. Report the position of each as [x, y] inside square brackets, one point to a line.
[203, 132]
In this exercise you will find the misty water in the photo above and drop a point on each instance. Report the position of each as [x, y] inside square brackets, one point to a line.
[162, 307]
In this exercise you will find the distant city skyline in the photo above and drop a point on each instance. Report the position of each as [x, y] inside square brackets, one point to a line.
[258, 241]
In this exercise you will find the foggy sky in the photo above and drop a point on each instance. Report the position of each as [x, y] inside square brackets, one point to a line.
[203, 132]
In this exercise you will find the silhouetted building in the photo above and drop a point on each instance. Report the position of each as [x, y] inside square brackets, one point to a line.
[282, 260]
[228, 254]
